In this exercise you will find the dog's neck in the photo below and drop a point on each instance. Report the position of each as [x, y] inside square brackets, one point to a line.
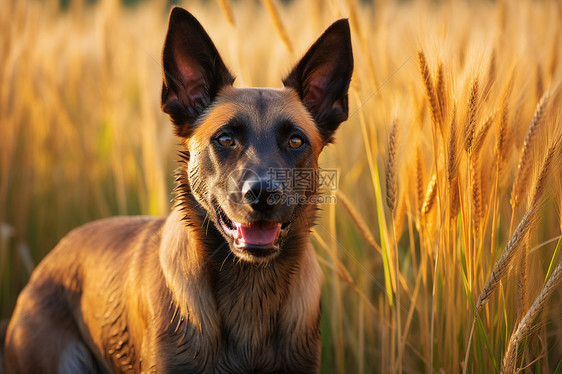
[248, 297]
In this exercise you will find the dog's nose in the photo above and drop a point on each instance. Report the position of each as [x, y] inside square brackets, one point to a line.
[262, 194]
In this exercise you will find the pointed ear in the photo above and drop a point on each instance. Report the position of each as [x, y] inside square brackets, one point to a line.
[194, 72]
[322, 78]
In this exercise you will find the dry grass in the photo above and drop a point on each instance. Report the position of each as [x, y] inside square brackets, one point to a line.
[425, 269]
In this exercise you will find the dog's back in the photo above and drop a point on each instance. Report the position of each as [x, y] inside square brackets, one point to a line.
[100, 261]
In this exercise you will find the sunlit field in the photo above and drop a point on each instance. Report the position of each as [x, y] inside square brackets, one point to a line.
[442, 252]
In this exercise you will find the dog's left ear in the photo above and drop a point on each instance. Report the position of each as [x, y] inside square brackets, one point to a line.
[194, 72]
[322, 78]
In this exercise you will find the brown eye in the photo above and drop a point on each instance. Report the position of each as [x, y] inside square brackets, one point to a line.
[225, 140]
[295, 142]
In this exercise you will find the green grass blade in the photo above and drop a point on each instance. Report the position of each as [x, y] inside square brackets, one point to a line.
[558, 368]
[554, 259]
[375, 177]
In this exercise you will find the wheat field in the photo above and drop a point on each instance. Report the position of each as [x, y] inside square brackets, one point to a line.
[442, 252]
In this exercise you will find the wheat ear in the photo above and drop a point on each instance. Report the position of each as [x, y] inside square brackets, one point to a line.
[475, 190]
[482, 133]
[452, 158]
[441, 92]
[391, 184]
[420, 171]
[429, 90]
[472, 105]
[430, 194]
[525, 159]
[452, 166]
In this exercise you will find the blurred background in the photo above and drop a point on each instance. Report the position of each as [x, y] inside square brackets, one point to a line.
[82, 137]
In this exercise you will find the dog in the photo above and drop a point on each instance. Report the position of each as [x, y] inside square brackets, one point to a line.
[229, 281]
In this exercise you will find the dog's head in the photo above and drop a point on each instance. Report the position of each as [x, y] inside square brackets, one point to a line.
[246, 145]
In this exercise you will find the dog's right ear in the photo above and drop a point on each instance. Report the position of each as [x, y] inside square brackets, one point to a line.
[194, 72]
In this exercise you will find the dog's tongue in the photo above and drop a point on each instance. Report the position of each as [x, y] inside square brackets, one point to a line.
[259, 234]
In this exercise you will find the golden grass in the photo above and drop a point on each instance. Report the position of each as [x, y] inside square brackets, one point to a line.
[418, 265]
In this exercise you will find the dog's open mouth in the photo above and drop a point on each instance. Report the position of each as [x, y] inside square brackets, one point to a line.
[258, 239]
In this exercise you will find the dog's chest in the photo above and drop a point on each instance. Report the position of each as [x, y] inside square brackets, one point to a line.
[243, 343]
[251, 333]
[245, 358]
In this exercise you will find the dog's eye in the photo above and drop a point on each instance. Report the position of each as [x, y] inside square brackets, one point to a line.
[295, 142]
[225, 140]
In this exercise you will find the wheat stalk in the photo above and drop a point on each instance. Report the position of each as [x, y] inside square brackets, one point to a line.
[491, 78]
[360, 224]
[522, 280]
[228, 13]
[525, 324]
[391, 187]
[501, 266]
[500, 270]
[400, 217]
[274, 13]
[555, 49]
[475, 173]
[540, 84]
[502, 141]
